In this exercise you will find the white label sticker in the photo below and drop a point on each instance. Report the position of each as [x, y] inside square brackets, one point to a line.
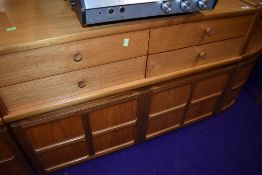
[126, 42]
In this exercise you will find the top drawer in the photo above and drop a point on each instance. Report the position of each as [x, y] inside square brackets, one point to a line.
[185, 35]
[38, 63]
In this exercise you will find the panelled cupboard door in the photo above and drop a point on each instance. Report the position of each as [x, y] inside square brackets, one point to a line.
[166, 109]
[206, 95]
[176, 103]
[239, 79]
[62, 138]
[116, 125]
[11, 160]
[53, 142]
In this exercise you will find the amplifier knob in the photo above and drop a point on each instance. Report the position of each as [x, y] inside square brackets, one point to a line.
[202, 4]
[166, 7]
[72, 2]
[185, 5]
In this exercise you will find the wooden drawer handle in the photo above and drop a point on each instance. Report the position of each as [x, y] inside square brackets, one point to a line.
[203, 55]
[77, 57]
[210, 32]
[81, 84]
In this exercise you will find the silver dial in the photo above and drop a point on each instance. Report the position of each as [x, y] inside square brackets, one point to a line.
[185, 5]
[166, 7]
[202, 4]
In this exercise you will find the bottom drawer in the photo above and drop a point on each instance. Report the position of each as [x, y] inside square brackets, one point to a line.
[172, 61]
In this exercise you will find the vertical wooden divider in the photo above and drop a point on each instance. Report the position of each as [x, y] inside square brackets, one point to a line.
[88, 134]
[145, 114]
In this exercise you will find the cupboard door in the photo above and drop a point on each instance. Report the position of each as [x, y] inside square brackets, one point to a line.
[166, 109]
[53, 142]
[240, 76]
[11, 159]
[115, 125]
[68, 136]
[206, 95]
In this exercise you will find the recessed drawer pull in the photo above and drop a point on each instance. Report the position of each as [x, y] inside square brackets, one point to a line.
[210, 31]
[81, 84]
[77, 57]
[203, 55]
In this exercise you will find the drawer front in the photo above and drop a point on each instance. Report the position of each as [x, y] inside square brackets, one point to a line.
[38, 63]
[185, 35]
[172, 61]
[64, 85]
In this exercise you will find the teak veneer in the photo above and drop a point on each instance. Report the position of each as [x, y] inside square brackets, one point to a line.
[70, 94]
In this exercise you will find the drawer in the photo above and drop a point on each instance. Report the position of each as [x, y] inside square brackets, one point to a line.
[56, 87]
[172, 61]
[189, 34]
[38, 63]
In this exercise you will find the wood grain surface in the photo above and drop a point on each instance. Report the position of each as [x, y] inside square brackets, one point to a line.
[190, 34]
[38, 63]
[40, 24]
[85, 97]
[172, 61]
[53, 88]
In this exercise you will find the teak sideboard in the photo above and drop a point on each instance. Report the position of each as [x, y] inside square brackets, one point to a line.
[70, 94]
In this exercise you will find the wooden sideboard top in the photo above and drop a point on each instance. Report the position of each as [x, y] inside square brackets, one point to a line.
[44, 23]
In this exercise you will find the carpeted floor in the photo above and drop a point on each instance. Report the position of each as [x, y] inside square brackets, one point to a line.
[226, 144]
